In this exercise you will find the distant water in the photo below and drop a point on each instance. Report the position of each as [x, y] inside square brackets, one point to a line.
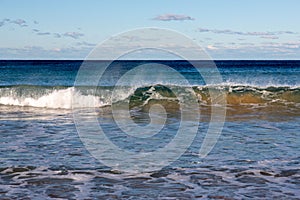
[257, 154]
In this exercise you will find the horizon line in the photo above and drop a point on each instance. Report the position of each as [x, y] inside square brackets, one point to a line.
[149, 60]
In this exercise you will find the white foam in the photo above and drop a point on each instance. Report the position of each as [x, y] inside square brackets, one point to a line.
[252, 84]
[63, 98]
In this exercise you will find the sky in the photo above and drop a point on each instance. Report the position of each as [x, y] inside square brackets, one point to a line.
[226, 29]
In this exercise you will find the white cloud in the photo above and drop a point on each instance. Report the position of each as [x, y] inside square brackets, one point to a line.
[20, 22]
[232, 32]
[74, 35]
[271, 37]
[211, 47]
[56, 35]
[34, 52]
[43, 33]
[266, 50]
[173, 17]
[86, 44]
[56, 49]
[23, 23]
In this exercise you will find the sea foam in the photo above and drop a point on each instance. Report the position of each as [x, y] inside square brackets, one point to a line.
[56, 99]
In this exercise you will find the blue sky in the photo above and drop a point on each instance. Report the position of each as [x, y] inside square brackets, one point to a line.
[226, 29]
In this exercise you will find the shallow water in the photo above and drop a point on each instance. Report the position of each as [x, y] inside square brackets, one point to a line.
[43, 156]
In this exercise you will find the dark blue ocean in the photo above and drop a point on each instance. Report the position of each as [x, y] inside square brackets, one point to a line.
[46, 108]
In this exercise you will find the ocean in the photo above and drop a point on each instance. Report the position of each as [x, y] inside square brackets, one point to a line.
[50, 148]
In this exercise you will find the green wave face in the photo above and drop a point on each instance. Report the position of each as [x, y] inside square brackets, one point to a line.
[47, 96]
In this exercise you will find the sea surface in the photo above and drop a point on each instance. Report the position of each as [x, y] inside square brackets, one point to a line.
[42, 155]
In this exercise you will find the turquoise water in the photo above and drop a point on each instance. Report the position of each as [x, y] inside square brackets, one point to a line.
[256, 156]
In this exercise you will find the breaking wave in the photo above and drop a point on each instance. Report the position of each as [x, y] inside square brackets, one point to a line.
[61, 96]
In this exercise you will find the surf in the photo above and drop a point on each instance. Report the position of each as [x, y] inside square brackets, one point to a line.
[61, 96]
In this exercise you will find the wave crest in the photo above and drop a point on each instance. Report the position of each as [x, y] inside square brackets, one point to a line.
[61, 97]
